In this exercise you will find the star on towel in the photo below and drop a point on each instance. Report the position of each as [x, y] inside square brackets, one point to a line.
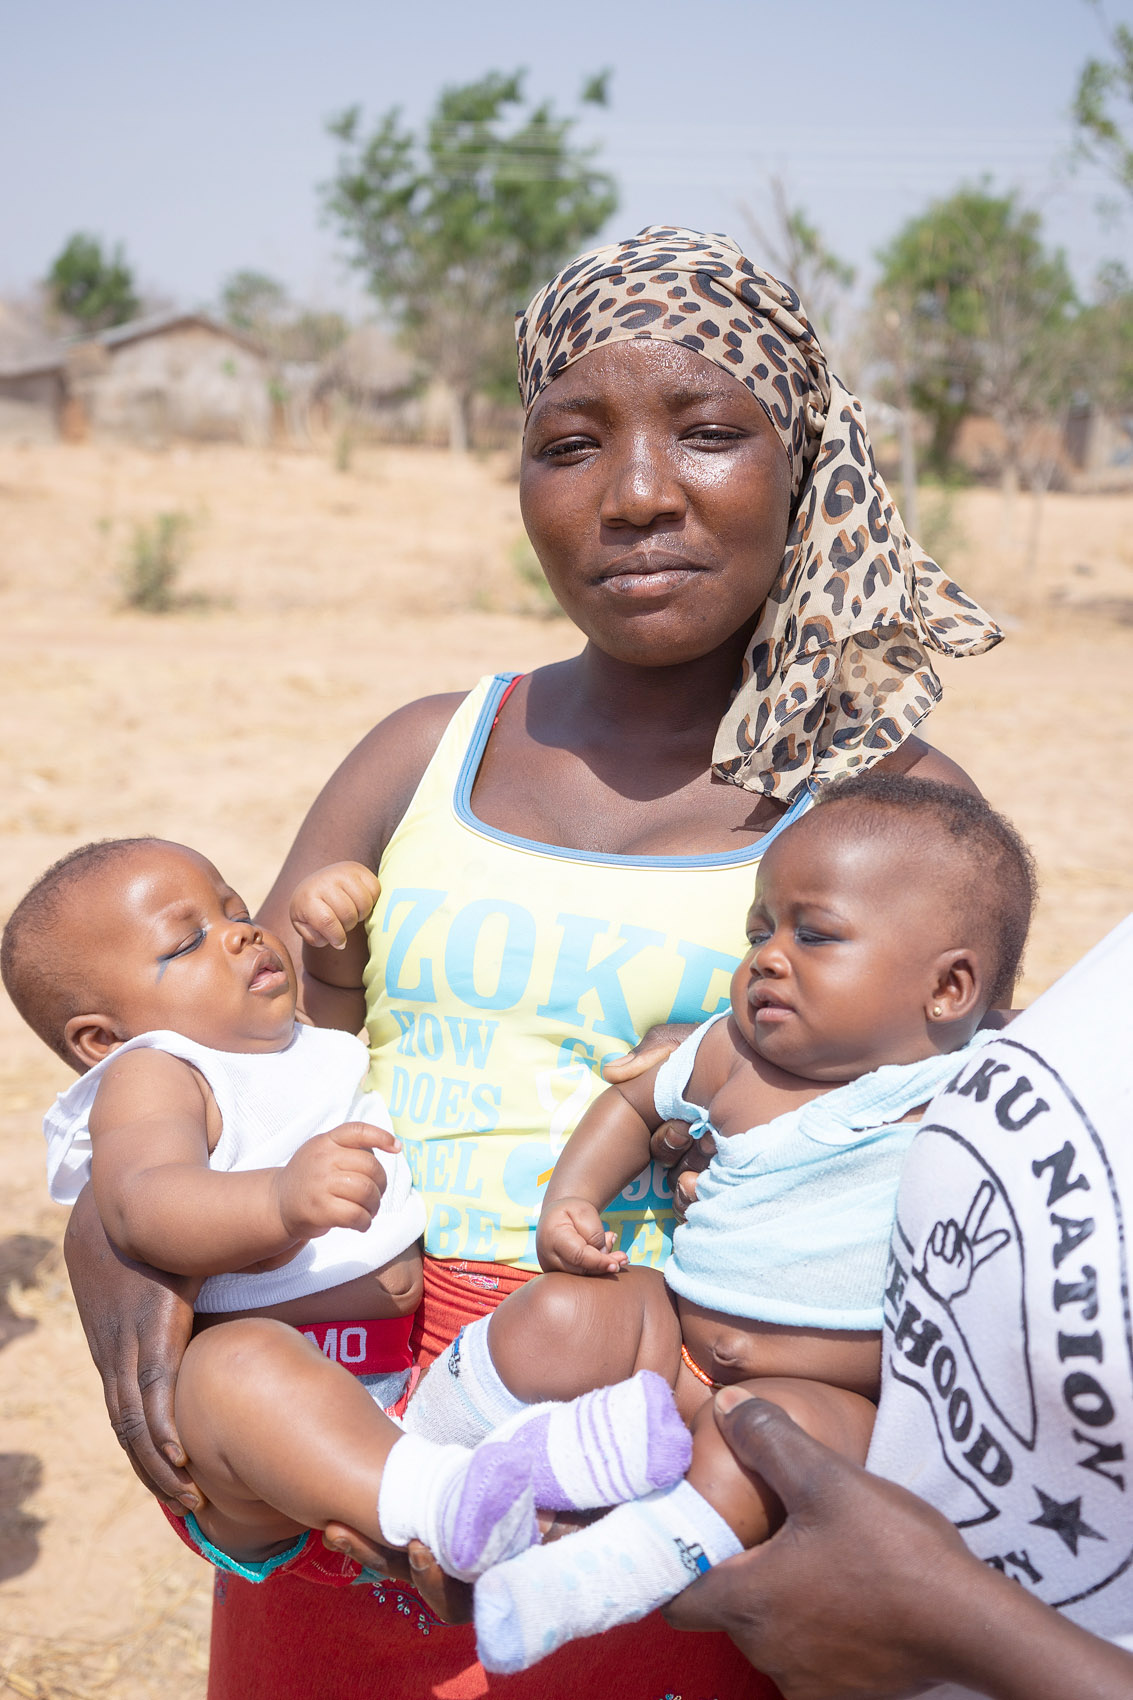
[1065, 1520]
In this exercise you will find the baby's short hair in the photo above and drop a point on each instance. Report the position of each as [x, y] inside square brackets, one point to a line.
[47, 985]
[995, 889]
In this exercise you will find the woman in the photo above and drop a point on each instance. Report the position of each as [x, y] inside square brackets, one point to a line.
[566, 859]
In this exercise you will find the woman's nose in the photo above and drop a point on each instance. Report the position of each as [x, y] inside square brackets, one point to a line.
[643, 487]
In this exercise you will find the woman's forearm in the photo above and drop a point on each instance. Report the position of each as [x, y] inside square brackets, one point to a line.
[137, 1323]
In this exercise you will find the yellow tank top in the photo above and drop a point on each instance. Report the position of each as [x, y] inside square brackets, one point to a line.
[503, 973]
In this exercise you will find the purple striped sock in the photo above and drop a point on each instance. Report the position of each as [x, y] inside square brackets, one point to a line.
[602, 1448]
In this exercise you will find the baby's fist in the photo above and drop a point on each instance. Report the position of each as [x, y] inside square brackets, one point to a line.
[573, 1239]
[329, 904]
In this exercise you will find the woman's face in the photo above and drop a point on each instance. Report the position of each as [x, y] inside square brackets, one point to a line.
[657, 496]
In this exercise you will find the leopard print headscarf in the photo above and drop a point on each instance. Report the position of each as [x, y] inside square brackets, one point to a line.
[837, 673]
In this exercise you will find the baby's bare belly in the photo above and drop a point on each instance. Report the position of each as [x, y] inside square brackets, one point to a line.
[734, 1348]
[394, 1290]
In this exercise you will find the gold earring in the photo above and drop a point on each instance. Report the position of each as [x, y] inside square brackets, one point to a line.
[936, 1009]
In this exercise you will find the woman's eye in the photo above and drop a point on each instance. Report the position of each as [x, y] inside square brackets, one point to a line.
[566, 448]
[714, 436]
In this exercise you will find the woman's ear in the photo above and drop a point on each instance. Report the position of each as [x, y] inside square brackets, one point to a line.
[958, 987]
[89, 1038]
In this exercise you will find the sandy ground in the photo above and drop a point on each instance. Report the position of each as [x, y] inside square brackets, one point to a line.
[322, 600]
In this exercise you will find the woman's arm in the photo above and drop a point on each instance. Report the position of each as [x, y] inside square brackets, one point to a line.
[866, 1591]
[328, 910]
[359, 808]
[138, 1323]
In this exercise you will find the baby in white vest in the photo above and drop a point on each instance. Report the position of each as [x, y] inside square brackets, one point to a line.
[224, 1140]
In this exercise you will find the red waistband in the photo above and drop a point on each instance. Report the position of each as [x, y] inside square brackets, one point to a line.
[372, 1347]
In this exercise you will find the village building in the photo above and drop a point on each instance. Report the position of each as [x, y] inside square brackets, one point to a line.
[169, 375]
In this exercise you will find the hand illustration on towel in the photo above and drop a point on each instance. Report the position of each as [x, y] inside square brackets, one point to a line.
[954, 1253]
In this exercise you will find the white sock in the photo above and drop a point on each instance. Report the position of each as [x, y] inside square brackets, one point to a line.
[461, 1398]
[616, 1571]
[471, 1509]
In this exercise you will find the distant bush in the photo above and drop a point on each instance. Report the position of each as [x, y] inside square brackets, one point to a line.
[154, 557]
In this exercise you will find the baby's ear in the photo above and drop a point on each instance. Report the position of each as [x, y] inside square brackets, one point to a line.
[958, 986]
[90, 1038]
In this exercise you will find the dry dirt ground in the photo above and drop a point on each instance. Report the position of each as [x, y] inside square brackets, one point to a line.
[319, 600]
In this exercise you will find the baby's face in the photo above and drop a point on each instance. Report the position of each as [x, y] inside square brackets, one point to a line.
[846, 942]
[172, 946]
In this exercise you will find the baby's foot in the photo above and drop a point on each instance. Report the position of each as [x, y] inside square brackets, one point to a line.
[602, 1448]
[615, 1571]
[487, 1512]
[471, 1509]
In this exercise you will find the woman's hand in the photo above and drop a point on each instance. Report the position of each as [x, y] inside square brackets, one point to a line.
[657, 1044]
[137, 1322]
[865, 1591]
[449, 1599]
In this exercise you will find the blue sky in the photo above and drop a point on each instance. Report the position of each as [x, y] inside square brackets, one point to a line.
[195, 134]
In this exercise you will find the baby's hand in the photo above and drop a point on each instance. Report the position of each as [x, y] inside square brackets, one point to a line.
[329, 904]
[573, 1240]
[333, 1181]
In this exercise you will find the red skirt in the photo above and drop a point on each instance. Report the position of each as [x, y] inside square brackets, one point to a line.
[291, 1639]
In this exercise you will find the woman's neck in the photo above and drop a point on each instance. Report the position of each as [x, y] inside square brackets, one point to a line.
[663, 707]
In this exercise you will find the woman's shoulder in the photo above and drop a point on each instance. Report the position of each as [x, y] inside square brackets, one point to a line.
[927, 762]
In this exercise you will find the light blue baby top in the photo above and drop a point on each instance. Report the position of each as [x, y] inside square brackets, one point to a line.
[792, 1219]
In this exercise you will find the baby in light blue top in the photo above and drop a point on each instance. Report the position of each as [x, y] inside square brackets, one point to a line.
[792, 1218]
[886, 923]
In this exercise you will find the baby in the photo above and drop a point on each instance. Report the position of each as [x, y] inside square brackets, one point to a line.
[224, 1140]
[886, 923]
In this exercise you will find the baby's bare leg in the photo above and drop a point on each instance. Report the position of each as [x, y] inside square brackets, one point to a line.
[561, 1335]
[841, 1420]
[281, 1438]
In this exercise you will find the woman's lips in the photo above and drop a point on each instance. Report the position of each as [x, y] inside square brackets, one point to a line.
[645, 575]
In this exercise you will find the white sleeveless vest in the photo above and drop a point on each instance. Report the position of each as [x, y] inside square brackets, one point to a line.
[270, 1103]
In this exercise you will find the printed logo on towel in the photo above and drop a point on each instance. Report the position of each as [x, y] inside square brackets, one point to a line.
[974, 1326]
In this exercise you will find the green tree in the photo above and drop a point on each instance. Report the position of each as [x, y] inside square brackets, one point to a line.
[1103, 343]
[94, 289]
[252, 301]
[454, 228]
[984, 310]
[1104, 86]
